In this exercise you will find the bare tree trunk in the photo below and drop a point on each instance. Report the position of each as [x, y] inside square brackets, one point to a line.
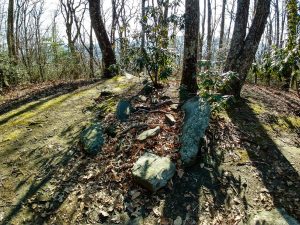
[108, 55]
[165, 30]
[10, 31]
[189, 73]
[114, 23]
[270, 34]
[277, 27]
[243, 48]
[91, 54]
[292, 22]
[209, 32]
[201, 38]
[222, 25]
[282, 26]
[143, 24]
[231, 19]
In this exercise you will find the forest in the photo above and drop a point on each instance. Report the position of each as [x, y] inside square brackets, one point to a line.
[150, 112]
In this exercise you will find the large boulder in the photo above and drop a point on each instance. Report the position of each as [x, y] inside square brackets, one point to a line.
[273, 217]
[196, 120]
[124, 109]
[153, 172]
[92, 139]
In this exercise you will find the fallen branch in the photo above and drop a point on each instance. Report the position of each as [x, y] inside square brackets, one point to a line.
[152, 111]
[138, 125]
[167, 102]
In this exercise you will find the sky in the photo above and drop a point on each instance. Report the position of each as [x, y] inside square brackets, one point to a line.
[52, 5]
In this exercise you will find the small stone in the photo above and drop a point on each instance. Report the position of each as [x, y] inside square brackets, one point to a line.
[170, 119]
[153, 172]
[142, 98]
[92, 139]
[149, 133]
[124, 110]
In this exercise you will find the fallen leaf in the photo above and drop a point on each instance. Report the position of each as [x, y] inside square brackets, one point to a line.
[104, 213]
[156, 211]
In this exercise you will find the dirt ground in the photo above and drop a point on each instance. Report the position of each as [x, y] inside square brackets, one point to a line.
[249, 161]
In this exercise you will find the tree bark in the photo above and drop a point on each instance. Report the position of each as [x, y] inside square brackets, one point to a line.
[201, 38]
[91, 54]
[108, 55]
[209, 32]
[277, 18]
[292, 22]
[222, 25]
[189, 74]
[10, 31]
[243, 48]
[143, 25]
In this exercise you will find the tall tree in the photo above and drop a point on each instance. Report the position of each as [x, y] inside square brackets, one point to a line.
[108, 55]
[10, 30]
[222, 24]
[189, 73]
[201, 38]
[243, 46]
[209, 31]
[143, 21]
[292, 21]
[277, 19]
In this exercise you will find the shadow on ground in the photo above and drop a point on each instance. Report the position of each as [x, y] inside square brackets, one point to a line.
[207, 191]
[55, 90]
[277, 173]
[58, 175]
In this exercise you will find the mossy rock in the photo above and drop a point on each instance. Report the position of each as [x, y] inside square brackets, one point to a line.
[153, 172]
[124, 109]
[92, 139]
[197, 114]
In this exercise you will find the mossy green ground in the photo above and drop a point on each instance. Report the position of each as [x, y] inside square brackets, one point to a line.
[39, 136]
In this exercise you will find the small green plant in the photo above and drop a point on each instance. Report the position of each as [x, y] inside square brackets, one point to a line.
[276, 64]
[211, 82]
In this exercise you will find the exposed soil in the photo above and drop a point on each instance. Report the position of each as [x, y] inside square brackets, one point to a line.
[249, 161]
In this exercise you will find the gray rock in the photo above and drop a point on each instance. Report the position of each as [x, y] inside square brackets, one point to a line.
[153, 172]
[149, 133]
[170, 119]
[196, 120]
[273, 217]
[124, 109]
[92, 139]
